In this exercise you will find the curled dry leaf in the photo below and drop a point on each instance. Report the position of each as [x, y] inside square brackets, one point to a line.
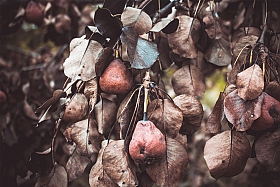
[188, 80]
[125, 112]
[213, 124]
[270, 114]
[56, 178]
[218, 52]
[137, 19]
[141, 53]
[57, 94]
[171, 170]
[168, 26]
[226, 154]
[83, 54]
[268, 150]
[182, 41]
[84, 133]
[108, 25]
[192, 112]
[250, 82]
[91, 91]
[103, 60]
[242, 113]
[212, 26]
[76, 165]
[118, 165]
[166, 116]
[76, 109]
[105, 112]
[147, 145]
[97, 175]
[240, 39]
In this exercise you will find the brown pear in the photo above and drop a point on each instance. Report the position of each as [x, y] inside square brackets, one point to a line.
[116, 78]
[270, 114]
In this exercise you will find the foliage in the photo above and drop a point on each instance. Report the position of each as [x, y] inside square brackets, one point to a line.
[62, 120]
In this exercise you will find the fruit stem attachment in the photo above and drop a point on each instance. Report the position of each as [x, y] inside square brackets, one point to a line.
[146, 84]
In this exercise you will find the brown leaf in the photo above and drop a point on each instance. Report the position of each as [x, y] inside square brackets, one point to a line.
[213, 124]
[136, 18]
[226, 154]
[188, 80]
[76, 165]
[218, 52]
[84, 133]
[171, 170]
[212, 26]
[242, 113]
[91, 91]
[182, 41]
[192, 112]
[28, 111]
[118, 165]
[56, 178]
[83, 54]
[105, 112]
[145, 180]
[168, 118]
[57, 94]
[97, 175]
[103, 60]
[125, 112]
[240, 39]
[250, 82]
[268, 150]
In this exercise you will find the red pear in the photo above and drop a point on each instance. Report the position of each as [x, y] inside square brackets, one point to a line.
[148, 144]
[116, 78]
[270, 114]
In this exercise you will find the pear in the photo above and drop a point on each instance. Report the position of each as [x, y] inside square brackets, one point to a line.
[270, 114]
[148, 144]
[116, 78]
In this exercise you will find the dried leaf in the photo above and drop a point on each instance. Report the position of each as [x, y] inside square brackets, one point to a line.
[145, 180]
[108, 25]
[171, 170]
[103, 60]
[168, 118]
[226, 154]
[242, 113]
[218, 52]
[84, 133]
[268, 150]
[137, 19]
[192, 112]
[56, 178]
[115, 7]
[213, 124]
[250, 82]
[212, 26]
[57, 94]
[168, 26]
[118, 165]
[83, 54]
[188, 80]
[141, 53]
[91, 91]
[105, 112]
[124, 114]
[97, 175]
[182, 41]
[28, 111]
[76, 165]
